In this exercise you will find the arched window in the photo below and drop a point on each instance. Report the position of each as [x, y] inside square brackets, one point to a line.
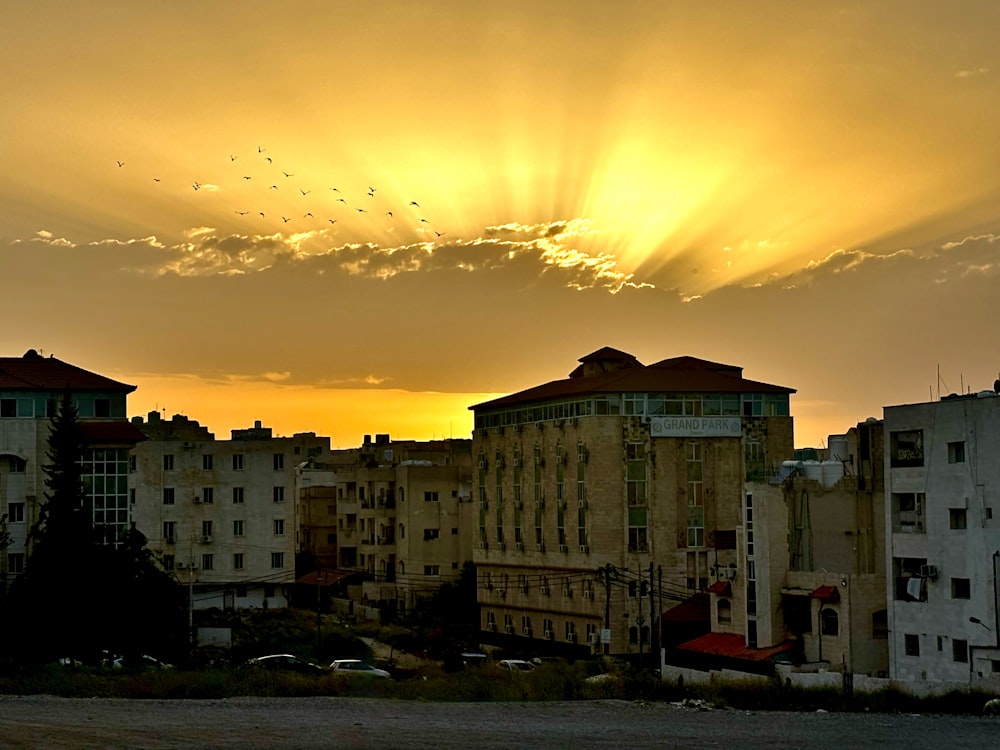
[829, 622]
[400, 494]
[402, 531]
[724, 611]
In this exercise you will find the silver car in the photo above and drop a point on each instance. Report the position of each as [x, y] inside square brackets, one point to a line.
[353, 668]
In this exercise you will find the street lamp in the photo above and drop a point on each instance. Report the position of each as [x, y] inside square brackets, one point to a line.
[979, 622]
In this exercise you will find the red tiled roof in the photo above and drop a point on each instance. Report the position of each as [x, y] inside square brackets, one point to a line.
[826, 594]
[722, 588]
[325, 577]
[111, 431]
[677, 375]
[733, 646]
[33, 372]
[693, 609]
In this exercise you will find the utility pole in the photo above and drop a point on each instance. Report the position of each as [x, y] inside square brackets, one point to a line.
[652, 612]
[607, 606]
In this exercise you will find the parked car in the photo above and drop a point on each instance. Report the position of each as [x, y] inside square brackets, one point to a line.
[355, 668]
[516, 665]
[285, 663]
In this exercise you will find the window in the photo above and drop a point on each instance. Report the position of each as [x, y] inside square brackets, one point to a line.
[430, 534]
[430, 497]
[17, 465]
[208, 495]
[237, 528]
[724, 610]
[279, 494]
[960, 588]
[241, 592]
[956, 455]
[432, 570]
[960, 650]
[906, 448]
[207, 561]
[8, 407]
[237, 462]
[238, 561]
[829, 622]
[957, 518]
[169, 531]
[911, 644]
[168, 461]
[277, 560]
[15, 562]
[635, 473]
[696, 497]
[132, 463]
[168, 562]
[237, 495]
[168, 495]
[880, 624]
[638, 540]
[279, 526]
[15, 512]
[206, 529]
[102, 407]
[279, 461]
[207, 463]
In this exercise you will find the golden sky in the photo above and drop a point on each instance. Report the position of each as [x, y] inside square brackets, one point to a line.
[350, 218]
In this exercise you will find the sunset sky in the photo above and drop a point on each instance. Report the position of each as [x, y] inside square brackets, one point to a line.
[351, 218]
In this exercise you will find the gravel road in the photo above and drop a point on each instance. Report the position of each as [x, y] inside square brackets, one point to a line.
[279, 723]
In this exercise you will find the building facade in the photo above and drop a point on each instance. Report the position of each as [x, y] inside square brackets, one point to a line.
[31, 389]
[399, 512]
[942, 480]
[608, 497]
[220, 514]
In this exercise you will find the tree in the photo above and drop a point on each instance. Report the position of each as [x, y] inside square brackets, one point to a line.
[77, 596]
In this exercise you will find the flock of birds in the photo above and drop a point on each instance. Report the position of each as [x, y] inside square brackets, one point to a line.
[332, 211]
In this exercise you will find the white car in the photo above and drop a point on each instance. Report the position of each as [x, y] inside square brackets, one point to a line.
[516, 665]
[358, 668]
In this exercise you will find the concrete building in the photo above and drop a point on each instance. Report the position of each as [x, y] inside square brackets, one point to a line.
[942, 480]
[605, 498]
[812, 544]
[399, 512]
[220, 513]
[31, 388]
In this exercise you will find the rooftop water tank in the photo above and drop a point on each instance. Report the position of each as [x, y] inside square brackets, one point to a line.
[832, 472]
[812, 470]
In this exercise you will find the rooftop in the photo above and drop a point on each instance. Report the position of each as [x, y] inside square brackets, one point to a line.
[33, 372]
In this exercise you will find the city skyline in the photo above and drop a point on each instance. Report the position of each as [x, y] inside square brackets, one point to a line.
[350, 220]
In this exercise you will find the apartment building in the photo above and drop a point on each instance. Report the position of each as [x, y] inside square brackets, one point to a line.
[606, 498]
[31, 389]
[397, 511]
[812, 550]
[943, 558]
[220, 513]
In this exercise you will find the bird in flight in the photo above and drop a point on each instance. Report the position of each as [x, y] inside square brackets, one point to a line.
[286, 174]
[242, 213]
[342, 200]
[307, 213]
[232, 158]
[156, 179]
[439, 234]
[260, 150]
[197, 186]
[360, 210]
[332, 221]
[336, 190]
[304, 192]
[273, 187]
[285, 219]
[414, 203]
[245, 177]
[424, 221]
[262, 214]
[371, 192]
[120, 163]
[269, 160]
[389, 214]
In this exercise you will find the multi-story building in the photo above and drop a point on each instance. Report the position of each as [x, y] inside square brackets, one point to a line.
[943, 558]
[398, 511]
[221, 513]
[31, 389]
[812, 548]
[606, 497]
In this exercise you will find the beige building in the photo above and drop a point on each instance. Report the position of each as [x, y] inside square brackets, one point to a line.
[606, 498]
[812, 552]
[31, 388]
[220, 513]
[399, 512]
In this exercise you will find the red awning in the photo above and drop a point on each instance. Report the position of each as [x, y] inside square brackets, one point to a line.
[733, 646]
[721, 588]
[826, 594]
[693, 609]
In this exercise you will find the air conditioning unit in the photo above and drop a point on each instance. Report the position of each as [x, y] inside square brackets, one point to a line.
[928, 571]
[519, 547]
[501, 546]
[585, 549]
[539, 548]
[564, 548]
[561, 459]
[549, 635]
[516, 427]
[197, 500]
[539, 426]
[526, 632]
[509, 629]
[180, 565]
[571, 638]
[593, 638]
[484, 545]
[544, 590]
[588, 594]
[568, 593]
[491, 626]
[581, 503]
[517, 462]
[500, 592]
[206, 539]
